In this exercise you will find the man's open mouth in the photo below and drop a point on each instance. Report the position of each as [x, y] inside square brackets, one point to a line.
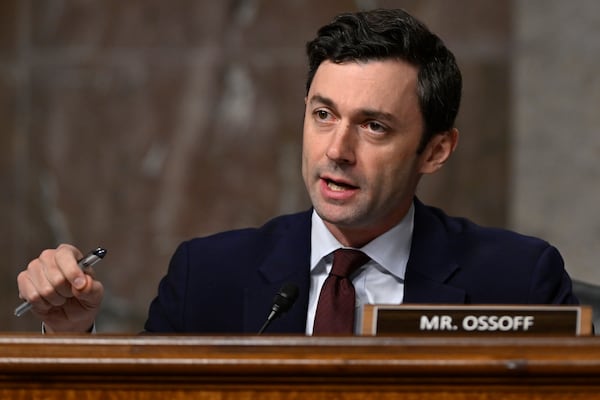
[338, 186]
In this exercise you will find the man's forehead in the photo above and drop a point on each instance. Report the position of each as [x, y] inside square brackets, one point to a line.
[375, 76]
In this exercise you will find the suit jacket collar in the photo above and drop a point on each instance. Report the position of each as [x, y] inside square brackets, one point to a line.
[431, 263]
[432, 260]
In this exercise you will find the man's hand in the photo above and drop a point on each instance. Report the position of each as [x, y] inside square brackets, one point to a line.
[60, 293]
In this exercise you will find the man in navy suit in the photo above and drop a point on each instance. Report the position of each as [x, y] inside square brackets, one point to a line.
[382, 96]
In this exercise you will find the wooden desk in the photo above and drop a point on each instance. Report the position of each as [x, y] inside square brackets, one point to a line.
[272, 367]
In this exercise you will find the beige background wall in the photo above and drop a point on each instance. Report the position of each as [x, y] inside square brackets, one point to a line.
[556, 128]
[137, 124]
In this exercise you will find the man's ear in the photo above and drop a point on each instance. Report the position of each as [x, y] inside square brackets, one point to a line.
[438, 151]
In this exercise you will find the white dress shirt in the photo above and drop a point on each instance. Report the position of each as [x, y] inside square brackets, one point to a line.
[379, 281]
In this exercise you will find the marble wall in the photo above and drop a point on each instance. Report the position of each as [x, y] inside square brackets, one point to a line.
[137, 124]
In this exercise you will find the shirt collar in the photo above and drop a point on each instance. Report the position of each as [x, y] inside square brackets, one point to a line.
[390, 250]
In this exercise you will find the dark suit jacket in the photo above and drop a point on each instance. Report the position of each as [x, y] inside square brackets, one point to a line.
[225, 283]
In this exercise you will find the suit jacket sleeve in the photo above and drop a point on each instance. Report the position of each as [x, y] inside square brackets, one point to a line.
[225, 283]
[166, 310]
[550, 283]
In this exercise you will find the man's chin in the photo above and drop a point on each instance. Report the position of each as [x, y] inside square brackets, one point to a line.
[336, 216]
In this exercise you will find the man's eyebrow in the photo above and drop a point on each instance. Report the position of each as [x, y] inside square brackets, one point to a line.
[378, 115]
[317, 98]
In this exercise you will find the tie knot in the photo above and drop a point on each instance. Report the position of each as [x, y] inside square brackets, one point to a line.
[346, 261]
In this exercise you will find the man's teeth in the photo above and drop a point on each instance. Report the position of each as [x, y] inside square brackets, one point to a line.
[336, 187]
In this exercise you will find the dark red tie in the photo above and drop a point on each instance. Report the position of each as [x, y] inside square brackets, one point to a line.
[335, 309]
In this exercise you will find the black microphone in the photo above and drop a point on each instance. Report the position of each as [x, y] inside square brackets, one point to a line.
[283, 301]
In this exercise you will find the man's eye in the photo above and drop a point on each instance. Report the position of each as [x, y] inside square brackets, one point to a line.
[375, 127]
[322, 114]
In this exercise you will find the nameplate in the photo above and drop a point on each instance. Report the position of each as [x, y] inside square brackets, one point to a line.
[446, 320]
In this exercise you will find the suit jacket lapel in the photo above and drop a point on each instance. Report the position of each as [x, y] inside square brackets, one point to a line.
[287, 261]
[431, 262]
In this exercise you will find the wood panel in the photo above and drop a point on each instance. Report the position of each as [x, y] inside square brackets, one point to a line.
[273, 367]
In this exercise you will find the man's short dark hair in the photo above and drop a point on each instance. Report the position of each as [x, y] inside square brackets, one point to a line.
[394, 34]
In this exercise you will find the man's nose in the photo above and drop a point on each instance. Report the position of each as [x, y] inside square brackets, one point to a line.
[342, 145]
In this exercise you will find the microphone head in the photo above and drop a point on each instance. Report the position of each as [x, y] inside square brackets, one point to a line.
[285, 298]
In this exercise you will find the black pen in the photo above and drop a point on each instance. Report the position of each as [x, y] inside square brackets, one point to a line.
[84, 263]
